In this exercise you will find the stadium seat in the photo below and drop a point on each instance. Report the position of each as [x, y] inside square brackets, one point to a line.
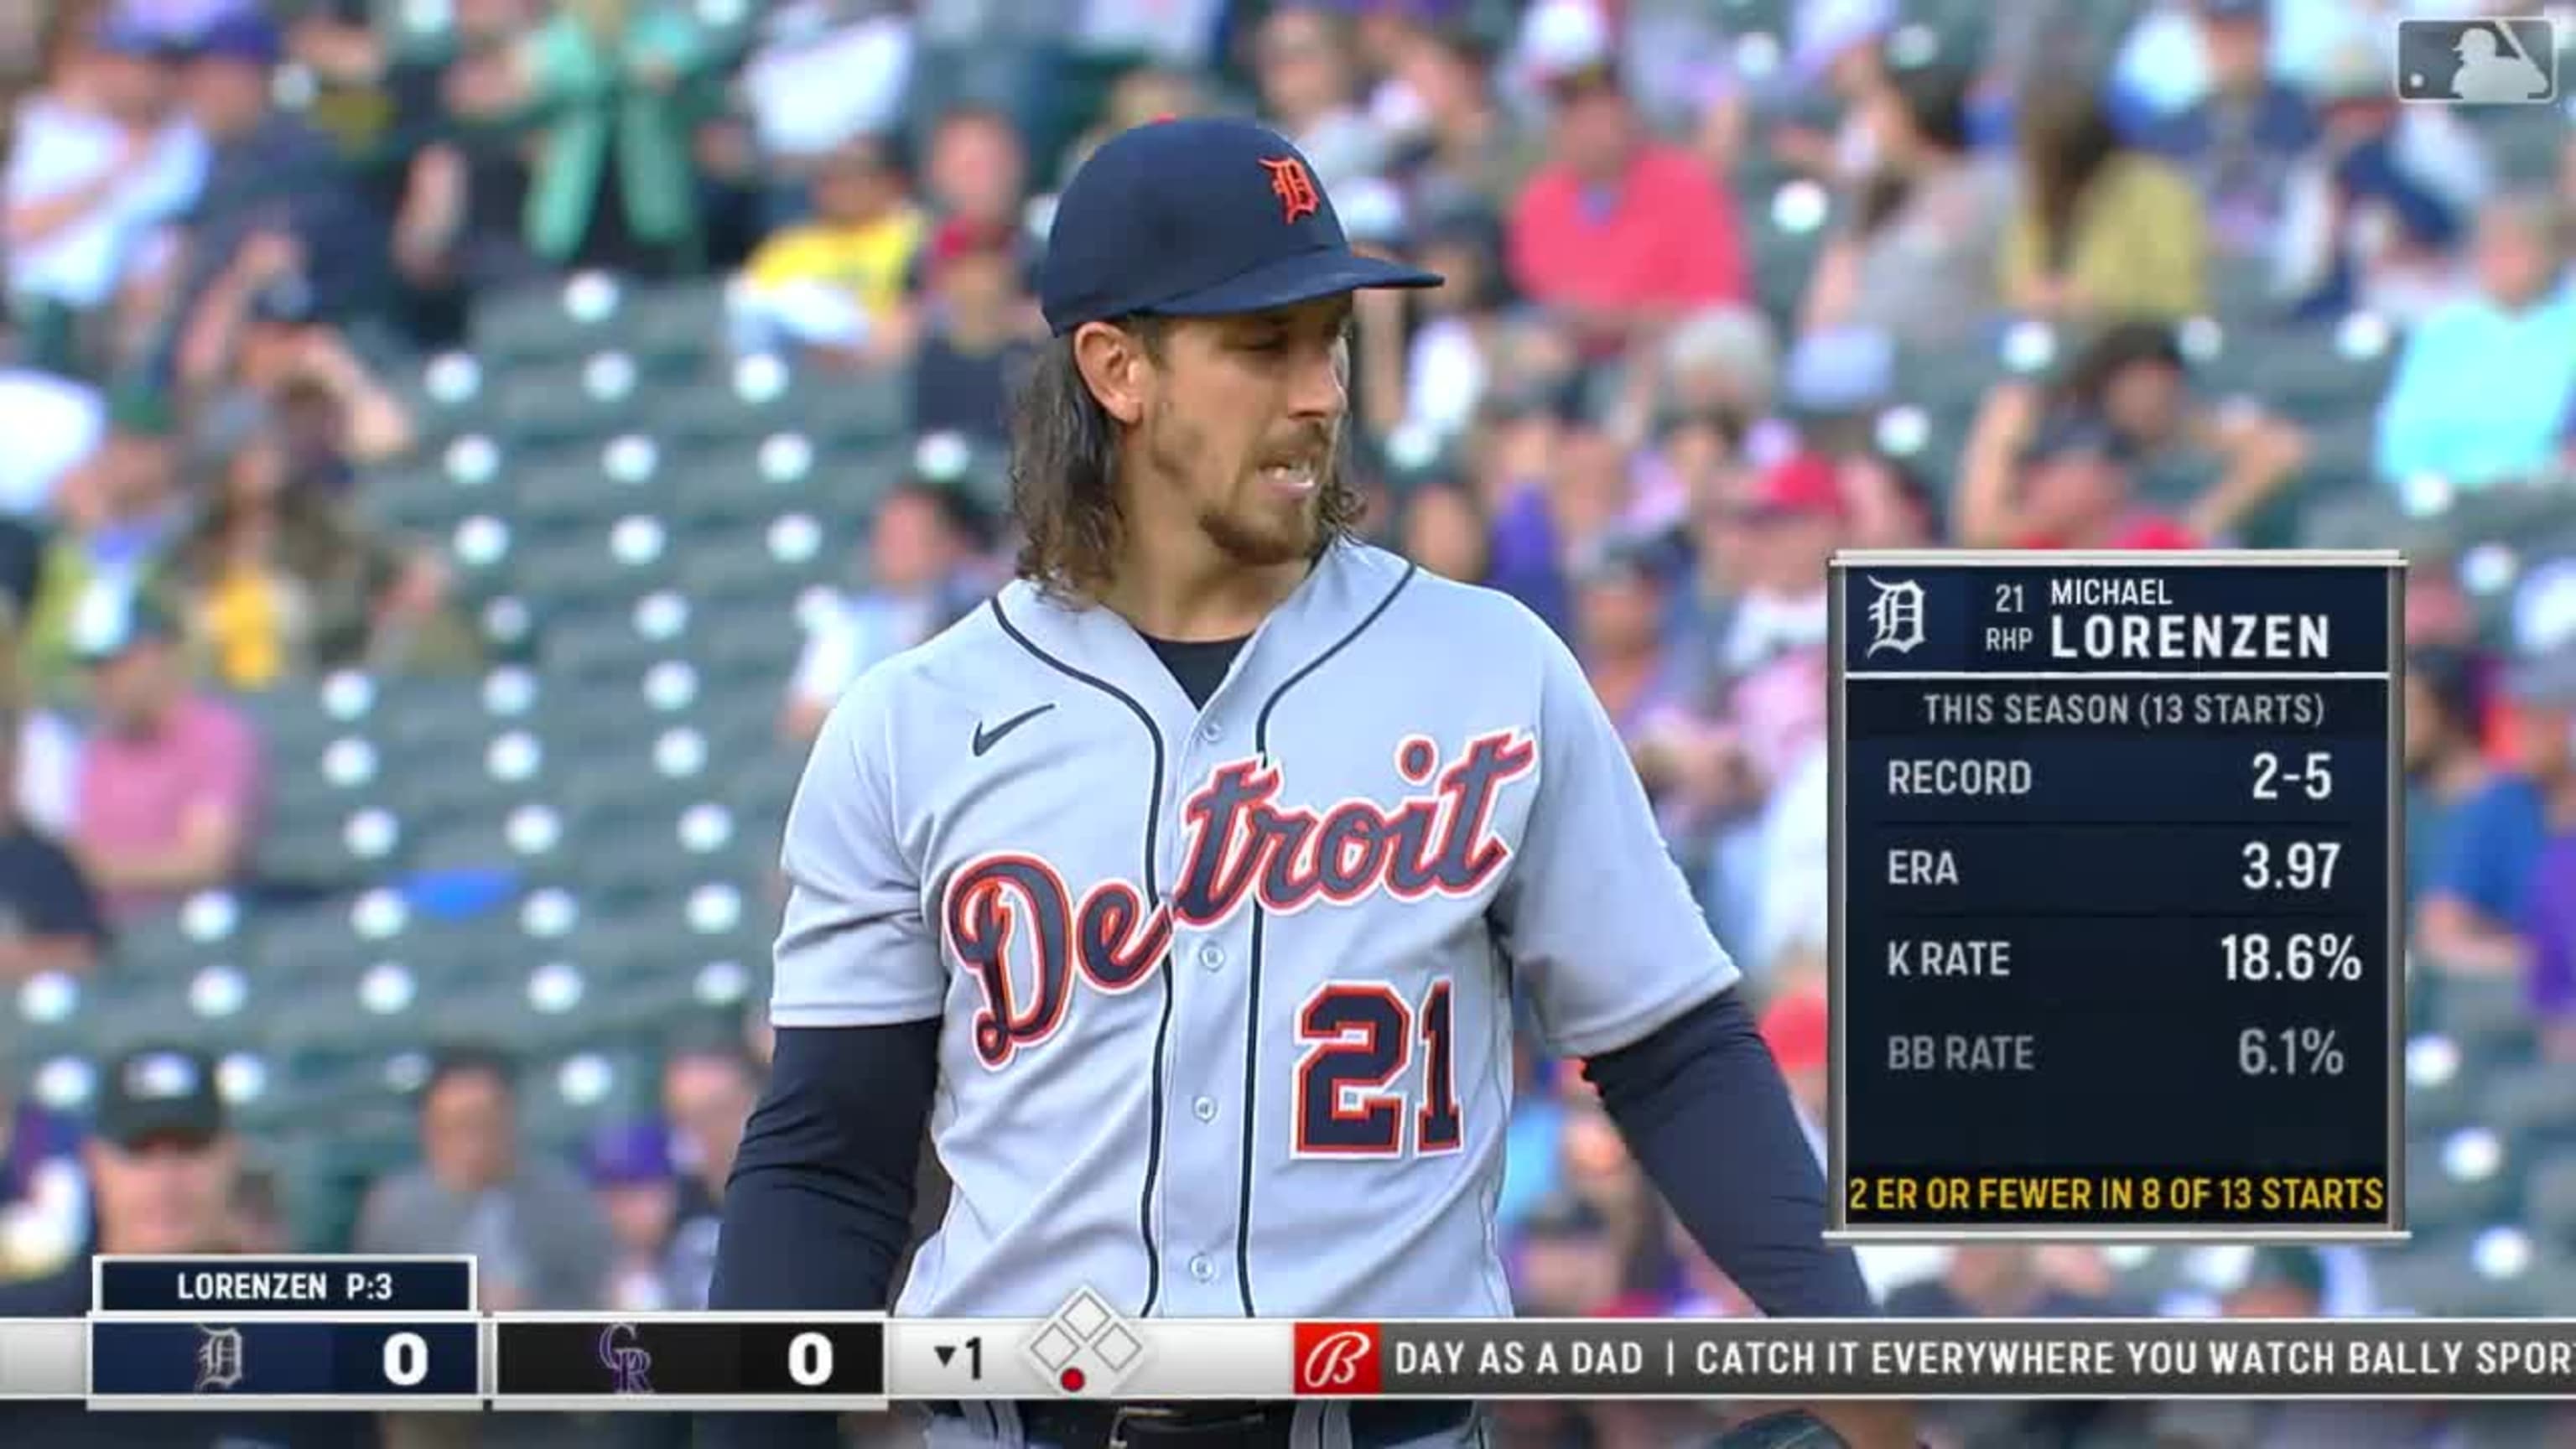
[2441, 1098]
[753, 640]
[762, 787]
[416, 498]
[582, 651]
[290, 721]
[533, 325]
[2461, 1178]
[870, 409]
[680, 325]
[616, 872]
[435, 721]
[2549, 1196]
[144, 1011]
[2533, 1104]
[2490, 1019]
[330, 852]
[567, 495]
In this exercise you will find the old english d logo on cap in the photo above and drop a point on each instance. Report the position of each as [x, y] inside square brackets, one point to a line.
[1290, 183]
[1133, 230]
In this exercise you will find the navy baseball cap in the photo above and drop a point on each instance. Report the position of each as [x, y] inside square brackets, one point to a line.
[160, 1093]
[121, 30]
[244, 35]
[1199, 217]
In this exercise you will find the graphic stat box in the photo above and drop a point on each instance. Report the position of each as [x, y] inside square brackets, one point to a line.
[2116, 910]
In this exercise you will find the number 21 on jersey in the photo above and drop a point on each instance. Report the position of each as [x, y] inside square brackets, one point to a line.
[1360, 1038]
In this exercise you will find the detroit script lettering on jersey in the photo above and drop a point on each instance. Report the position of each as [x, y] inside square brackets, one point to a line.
[1242, 844]
[1221, 974]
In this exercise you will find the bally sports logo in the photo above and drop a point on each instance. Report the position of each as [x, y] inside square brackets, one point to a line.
[1339, 1358]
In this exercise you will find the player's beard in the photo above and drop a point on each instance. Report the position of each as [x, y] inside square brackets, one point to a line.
[1252, 523]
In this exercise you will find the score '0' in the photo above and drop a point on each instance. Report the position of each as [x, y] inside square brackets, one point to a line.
[809, 1360]
[406, 1360]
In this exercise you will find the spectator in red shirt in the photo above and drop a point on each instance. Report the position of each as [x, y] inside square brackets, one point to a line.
[170, 781]
[1619, 230]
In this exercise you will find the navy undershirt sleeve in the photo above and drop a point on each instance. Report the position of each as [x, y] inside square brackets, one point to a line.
[1704, 1110]
[818, 1210]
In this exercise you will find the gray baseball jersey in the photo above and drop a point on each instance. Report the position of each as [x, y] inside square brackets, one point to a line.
[1226, 992]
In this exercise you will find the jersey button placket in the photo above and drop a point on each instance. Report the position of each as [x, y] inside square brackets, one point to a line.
[1204, 1109]
[1203, 1268]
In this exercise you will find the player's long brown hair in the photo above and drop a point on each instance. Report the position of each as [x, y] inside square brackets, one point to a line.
[1064, 468]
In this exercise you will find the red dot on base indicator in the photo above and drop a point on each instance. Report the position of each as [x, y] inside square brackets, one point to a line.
[1072, 1380]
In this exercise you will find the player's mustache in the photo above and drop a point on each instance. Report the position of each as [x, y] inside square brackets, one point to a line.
[1314, 444]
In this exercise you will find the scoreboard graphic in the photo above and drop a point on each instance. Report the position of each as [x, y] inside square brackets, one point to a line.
[2117, 947]
[208, 1335]
[284, 1333]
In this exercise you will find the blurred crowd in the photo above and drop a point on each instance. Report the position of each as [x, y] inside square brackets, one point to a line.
[1732, 285]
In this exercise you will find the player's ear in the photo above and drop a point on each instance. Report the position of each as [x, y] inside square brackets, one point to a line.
[1113, 363]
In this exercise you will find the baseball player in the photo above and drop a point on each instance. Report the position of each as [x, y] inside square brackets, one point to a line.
[1183, 889]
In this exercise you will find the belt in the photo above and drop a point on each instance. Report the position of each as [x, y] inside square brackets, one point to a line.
[1084, 1424]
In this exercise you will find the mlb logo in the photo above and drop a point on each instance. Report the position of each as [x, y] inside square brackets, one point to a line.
[2491, 62]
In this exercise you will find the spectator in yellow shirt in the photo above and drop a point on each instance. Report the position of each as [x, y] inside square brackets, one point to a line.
[835, 287]
[2101, 232]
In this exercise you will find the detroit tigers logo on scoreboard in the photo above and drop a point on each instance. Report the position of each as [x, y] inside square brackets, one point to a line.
[219, 1359]
[1896, 616]
[1242, 845]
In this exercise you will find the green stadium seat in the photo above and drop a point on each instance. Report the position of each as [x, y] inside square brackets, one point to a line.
[290, 721]
[873, 408]
[415, 498]
[442, 394]
[2533, 1103]
[158, 944]
[2365, 517]
[733, 567]
[2438, 1194]
[567, 495]
[2440, 1102]
[307, 945]
[519, 329]
[2549, 1197]
[683, 324]
[586, 1082]
[762, 787]
[2488, 1019]
[2303, 379]
[323, 851]
[494, 1009]
[855, 483]
[752, 645]
[431, 716]
[620, 871]
[785, 463]
[601, 647]
[761, 398]
[1742, 16]
[480, 840]
[148, 1011]
[581, 577]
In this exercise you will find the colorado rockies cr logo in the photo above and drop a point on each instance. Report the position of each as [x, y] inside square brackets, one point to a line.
[1437, 842]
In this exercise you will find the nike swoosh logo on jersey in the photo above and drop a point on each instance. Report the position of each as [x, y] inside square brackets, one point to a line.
[987, 736]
